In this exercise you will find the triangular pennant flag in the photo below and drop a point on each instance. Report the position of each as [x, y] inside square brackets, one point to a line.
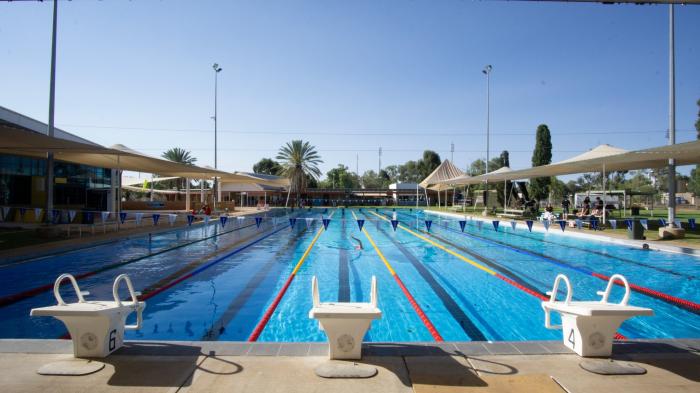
[241, 218]
[613, 224]
[360, 224]
[325, 211]
[495, 224]
[677, 222]
[190, 219]
[546, 224]
[360, 210]
[22, 210]
[138, 217]
[258, 221]
[88, 217]
[529, 225]
[5, 212]
[122, 217]
[309, 221]
[462, 224]
[342, 212]
[691, 223]
[513, 223]
[479, 224]
[71, 215]
[222, 220]
[376, 210]
[37, 214]
[105, 216]
[410, 210]
[172, 218]
[629, 224]
[662, 222]
[579, 223]
[428, 224]
[562, 224]
[326, 221]
[395, 223]
[292, 222]
[645, 223]
[55, 216]
[155, 218]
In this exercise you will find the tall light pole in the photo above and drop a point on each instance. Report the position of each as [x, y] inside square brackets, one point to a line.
[487, 72]
[52, 102]
[678, 232]
[217, 69]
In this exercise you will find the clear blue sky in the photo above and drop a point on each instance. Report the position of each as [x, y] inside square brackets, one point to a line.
[134, 72]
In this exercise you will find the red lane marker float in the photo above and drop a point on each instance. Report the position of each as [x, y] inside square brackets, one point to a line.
[687, 304]
[271, 309]
[426, 321]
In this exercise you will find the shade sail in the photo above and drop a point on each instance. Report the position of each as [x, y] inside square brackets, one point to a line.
[435, 181]
[262, 179]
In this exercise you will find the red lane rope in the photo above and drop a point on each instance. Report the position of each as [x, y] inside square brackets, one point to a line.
[270, 310]
[687, 304]
[431, 328]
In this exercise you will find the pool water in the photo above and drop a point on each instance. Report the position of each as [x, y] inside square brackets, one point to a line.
[479, 284]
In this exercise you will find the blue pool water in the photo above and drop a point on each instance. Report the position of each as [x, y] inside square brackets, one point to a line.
[239, 270]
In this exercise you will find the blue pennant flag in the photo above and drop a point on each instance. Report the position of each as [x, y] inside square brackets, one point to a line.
[546, 225]
[55, 216]
[360, 224]
[393, 210]
[223, 220]
[479, 223]
[629, 224]
[190, 218]
[691, 223]
[495, 225]
[22, 210]
[562, 224]
[326, 221]
[428, 224]
[342, 213]
[662, 222]
[360, 210]
[122, 217]
[462, 224]
[613, 224]
[513, 224]
[645, 223]
[88, 217]
[258, 221]
[325, 211]
[411, 210]
[376, 210]
[155, 217]
[395, 223]
[292, 222]
[529, 224]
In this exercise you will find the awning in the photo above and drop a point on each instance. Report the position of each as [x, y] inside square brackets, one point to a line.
[435, 181]
[603, 157]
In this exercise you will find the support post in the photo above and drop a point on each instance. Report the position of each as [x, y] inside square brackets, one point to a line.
[187, 194]
[52, 106]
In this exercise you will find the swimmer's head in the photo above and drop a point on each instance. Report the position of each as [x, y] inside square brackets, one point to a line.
[645, 247]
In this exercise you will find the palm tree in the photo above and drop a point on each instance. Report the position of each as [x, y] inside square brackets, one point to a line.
[299, 161]
[182, 156]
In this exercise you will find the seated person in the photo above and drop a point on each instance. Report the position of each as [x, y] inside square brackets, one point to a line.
[585, 211]
[549, 214]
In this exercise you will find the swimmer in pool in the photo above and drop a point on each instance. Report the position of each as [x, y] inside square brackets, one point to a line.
[359, 243]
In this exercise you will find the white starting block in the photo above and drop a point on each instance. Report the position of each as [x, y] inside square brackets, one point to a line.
[345, 324]
[589, 326]
[96, 327]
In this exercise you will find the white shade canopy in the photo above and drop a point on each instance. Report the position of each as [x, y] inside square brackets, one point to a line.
[435, 181]
[603, 157]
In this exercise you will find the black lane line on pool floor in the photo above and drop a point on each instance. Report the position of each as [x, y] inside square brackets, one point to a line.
[454, 309]
[343, 268]
[218, 327]
[517, 277]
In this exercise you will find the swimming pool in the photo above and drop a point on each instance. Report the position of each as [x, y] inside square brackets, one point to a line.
[237, 283]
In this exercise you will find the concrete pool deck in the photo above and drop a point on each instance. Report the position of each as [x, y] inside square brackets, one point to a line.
[532, 366]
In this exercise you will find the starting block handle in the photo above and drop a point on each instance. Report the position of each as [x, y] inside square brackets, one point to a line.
[57, 287]
[314, 292]
[373, 292]
[606, 294]
[553, 297]
[134, 299]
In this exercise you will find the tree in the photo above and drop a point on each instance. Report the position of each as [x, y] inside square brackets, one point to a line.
[410, 172]
[478, 167]
[430, 161]
[370, 179]
[182, 156]
[392, 173]
[542, 155]
[267, 166]
[340, 177]
[299, 161]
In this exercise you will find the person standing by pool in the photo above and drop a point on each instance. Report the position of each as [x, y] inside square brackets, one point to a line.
[565, 206]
